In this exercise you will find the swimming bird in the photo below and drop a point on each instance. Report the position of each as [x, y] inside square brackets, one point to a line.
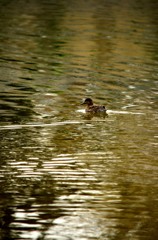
[90, 107]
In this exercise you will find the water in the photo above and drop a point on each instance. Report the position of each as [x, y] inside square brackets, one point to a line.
[65, 174]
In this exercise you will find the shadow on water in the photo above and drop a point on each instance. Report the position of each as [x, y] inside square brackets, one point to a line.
[65, 174]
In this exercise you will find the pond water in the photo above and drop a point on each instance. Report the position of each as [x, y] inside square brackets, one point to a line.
[66, 175]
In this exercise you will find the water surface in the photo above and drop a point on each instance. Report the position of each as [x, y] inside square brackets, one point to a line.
[65, 174]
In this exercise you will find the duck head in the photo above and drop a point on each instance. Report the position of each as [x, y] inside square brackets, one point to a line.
[88, 102]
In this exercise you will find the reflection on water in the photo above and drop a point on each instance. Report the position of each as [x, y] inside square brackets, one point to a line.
[66, 174]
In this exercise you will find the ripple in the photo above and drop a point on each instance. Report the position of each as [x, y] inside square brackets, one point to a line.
[19, 126]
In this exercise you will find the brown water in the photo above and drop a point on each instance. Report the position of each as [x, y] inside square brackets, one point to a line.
[65, 175]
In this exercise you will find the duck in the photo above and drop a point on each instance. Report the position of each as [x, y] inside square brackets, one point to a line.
[91, 108]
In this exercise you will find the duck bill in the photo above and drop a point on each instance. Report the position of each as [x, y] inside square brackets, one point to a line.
[82, 103]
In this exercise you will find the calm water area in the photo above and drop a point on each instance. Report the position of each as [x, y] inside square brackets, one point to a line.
[66, 174]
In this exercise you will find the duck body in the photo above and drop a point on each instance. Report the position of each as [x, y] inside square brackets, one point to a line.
[92, 108]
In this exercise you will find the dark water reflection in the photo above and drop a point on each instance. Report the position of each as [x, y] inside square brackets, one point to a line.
[64, 174]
